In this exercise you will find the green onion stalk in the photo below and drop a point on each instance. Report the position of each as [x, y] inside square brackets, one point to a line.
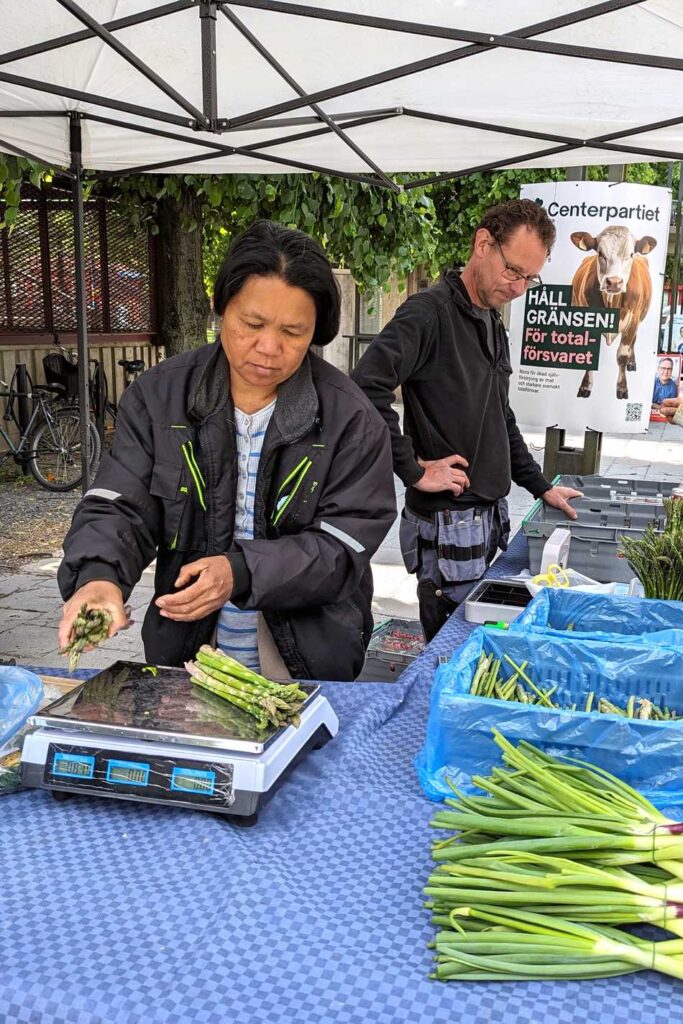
[522, 945]
[488, 681]
[556, 885]
[543, 806]
[544, 865]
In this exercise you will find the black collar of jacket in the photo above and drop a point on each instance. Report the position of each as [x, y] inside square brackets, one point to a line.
[297, 404]
[461, 296]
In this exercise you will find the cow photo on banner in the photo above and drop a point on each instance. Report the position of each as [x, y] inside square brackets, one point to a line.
[584, 343]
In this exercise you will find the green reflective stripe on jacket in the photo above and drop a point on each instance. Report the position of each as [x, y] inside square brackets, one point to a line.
[302, 469]
[195, 463]
[195, 472]
[297, 469]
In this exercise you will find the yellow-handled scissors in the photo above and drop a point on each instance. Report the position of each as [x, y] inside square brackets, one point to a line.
[554, 577]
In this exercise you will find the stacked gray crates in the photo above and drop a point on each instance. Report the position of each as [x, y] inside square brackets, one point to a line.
[610, 509]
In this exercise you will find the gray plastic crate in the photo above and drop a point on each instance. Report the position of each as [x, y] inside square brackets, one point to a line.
[611, 488]
[611, 508]
[395, 644]
[634, 515]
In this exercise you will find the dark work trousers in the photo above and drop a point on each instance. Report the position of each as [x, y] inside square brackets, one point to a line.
[449, 551]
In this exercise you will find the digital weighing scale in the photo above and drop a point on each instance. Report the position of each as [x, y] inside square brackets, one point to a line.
[138, 733]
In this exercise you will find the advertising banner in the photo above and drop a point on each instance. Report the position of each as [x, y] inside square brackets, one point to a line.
[584, 343]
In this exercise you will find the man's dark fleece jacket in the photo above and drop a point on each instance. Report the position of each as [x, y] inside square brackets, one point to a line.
[455, 397]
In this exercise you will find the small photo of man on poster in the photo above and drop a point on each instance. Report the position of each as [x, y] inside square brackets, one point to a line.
[667, 382]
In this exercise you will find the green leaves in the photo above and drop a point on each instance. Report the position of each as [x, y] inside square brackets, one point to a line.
[14, 170]
[373, 232]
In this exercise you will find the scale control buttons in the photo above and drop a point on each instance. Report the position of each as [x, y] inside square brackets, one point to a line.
[128, 773]
[193, 780]
[74, 766]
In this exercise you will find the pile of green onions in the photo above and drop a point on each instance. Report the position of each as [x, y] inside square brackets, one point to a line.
[488, 681]
[540, 872]
[269, 703]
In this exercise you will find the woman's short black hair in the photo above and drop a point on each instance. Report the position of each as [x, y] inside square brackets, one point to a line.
[271, 250]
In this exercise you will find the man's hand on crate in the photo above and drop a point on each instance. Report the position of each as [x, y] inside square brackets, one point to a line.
[559, 497]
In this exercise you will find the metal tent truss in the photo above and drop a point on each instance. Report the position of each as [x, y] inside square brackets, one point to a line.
[207, 125]
[194, 133]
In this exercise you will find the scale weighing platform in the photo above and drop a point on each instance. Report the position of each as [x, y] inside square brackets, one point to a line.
[138, 733]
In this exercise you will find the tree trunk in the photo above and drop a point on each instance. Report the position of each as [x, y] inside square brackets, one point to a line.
[182, 304]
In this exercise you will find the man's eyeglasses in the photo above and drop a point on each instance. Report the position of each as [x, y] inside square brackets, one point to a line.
[512, 274]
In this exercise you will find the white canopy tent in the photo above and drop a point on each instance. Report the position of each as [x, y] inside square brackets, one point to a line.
[261, 86]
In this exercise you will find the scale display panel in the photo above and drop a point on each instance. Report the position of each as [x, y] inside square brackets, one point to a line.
[160, 703]
[147, 775]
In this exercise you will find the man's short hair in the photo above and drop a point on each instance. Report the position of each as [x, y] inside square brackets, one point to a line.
[502, 220]
[667, 360]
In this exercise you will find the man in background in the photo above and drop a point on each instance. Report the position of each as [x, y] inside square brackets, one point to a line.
[460, 447]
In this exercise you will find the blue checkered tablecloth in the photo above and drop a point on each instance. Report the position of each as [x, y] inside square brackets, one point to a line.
[118, 913]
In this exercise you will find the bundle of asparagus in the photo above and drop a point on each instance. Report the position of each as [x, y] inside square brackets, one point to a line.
[657, 558]
[488, 681]
[91, 627]
[268, 702]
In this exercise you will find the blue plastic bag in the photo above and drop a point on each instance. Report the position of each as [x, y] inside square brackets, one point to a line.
[20, 695]
[558, 609]
[646, 754]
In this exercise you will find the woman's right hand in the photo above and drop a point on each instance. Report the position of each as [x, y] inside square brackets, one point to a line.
[97, 594]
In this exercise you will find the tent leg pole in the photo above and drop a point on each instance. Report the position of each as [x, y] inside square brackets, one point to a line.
[81, 310]
[675, 276]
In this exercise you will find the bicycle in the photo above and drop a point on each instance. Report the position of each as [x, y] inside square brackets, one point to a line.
[50, 443]
[61, 370]
[106, 412]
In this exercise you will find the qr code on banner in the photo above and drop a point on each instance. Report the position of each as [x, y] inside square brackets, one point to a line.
[634, 410]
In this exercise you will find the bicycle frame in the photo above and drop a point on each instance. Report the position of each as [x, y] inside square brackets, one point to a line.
[20, 451]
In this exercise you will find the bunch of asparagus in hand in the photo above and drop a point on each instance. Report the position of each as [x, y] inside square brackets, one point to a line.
[91, 627]
[268, 702]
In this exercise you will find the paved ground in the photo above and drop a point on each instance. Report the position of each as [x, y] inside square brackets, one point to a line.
[30, 602]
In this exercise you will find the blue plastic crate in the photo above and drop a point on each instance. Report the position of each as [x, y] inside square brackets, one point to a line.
[646, 754]
[581, 614]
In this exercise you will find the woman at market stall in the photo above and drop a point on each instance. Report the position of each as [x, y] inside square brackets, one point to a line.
[256, 473]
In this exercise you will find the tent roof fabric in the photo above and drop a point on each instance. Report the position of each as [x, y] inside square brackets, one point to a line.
[356, 88]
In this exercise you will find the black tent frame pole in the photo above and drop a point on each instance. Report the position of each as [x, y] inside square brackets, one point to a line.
[112, 26]
[81, 309]
[292, 82]
[131, 58]
[419, 29]
[207, 21]
[226, 150]
[253, 147]
[676, 273]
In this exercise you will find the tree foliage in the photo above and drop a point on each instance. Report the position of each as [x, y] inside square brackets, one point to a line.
[371, 231]
[14, 171]
[459, 205]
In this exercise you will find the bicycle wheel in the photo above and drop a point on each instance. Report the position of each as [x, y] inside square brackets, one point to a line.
[55, 448]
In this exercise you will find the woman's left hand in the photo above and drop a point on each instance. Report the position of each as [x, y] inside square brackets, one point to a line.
[211, 589]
